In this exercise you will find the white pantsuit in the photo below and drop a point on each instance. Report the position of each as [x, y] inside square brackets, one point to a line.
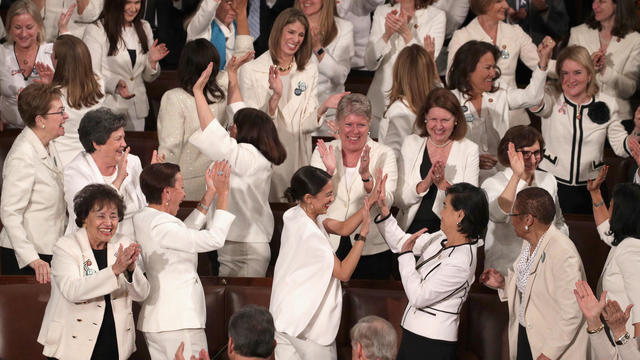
[502, 245]
[118, 67]
[380, 55]
[248, 200]
[461, 166]
[83, 171]
[306, 300]
[622, 64]
[513, 43]
[32, 205]
[74, 313]
[295, 118]
[170, 250]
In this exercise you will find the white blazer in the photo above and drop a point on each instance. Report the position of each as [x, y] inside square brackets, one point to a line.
[78, 22]
[32, 204]
[170, 254]
[11, 80]
[336, 63]
[619, 275]
[462, 166]
[396, 125]
[294, 121]
[177, 121]
[554, 322]
[306, 300]
[511, 40]
[622, 64]
[75, 310]
[69, 145]
[575, 144]
[358, 13]
[502, 245]
[83, 171]
[602, 348]
[381, 56]
[250, 175]
[118, 67]
[438, 285]
[349, 198]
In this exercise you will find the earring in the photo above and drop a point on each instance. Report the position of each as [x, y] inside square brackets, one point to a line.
[369, 133]
[458, 223]
[526, 228]
[455, 123]
[43, 126]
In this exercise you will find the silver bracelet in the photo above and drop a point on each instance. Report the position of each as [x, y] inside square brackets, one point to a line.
[203, 206]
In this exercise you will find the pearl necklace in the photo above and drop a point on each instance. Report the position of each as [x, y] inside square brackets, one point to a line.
[439, 146]
[285, 69]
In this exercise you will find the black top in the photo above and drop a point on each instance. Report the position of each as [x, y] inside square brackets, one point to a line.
[425, 217]
[107, 343]
[132, 56]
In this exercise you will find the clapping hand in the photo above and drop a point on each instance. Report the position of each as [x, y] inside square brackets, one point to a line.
[234, 63]
[616, 318]
[589, 305]
[122, 168]
[157, 53]
[492, 278]
[594, 184]
[365, 158]
[328, 156]
[380, 193]
[126, 259]
[429, 44]
[487, 161]
[220, 176]
[437, 173]
[598, 60]
[366, 220]
[202, 355]
[411, 241]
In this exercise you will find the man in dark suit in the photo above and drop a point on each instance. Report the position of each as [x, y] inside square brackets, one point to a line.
[269, 10]
[539, 18]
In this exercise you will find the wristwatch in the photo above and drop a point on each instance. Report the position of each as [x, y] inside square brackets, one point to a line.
[320, 51]
[367, 179]
[364, 238]
[623, 339]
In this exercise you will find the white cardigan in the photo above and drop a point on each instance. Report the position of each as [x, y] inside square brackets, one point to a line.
[461, 166]
[83, 171]
[349, 198]
[502, 245]
[75, 310]
[336, 63]
[170, 250]
[512, 40]
[575, 144]
[622, 61]
[249, 183]
[381, 56]
[437, 285]
[32, 204]
[295, 121]
[306, 300]
[118, 67]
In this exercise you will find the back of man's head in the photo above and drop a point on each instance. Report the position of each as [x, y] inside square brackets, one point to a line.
[377, 338]
[251, 332]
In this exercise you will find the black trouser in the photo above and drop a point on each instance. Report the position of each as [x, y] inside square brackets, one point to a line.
[577, 200]
[10, 263]
[417, 347]
[524, 350]
[372, 267]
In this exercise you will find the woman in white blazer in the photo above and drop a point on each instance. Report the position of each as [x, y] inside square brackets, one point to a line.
[513, 42]
[577, 119]
[306, 297]
[485, 102]
[178, 117]
[82, 14]
[82, 90]
[436, 157]
[618, 227]
[414, 76]
[544, 320]
[358, 13]
[332, 45]
[351, 160]
[175, 310]
[283, 82]
[32, 204]
[611, 36]
[105, 160]
[395, 26]
[520, 151]
[124, 54]
[437, 284]
[252, 148]
[94, 278]
[24, 48]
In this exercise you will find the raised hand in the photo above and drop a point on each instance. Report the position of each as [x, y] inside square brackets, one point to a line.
[589, 305]
[42, 270]
[437, 173]
[492, 278]
[126, 259]
[334, 129]
[316, 38]
[411, 241]
[429, 44]
[198, 87]
[63, 22]
[634, 146]
[365, 158]
[122, 168]
[123, 90]
[157, 53]
[545, 49]
[366, 220]
[594, 184]
[275, 82]
[328, 156]
[46, 73]
[333, 100]
[516, 160]
[221, 174]
[234, 63]
[157, 158]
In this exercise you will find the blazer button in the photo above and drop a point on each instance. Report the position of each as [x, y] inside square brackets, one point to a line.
[78, 320]
[73, 336]
[131, 78]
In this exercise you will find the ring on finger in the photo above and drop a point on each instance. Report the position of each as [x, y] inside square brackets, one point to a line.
[220, 173]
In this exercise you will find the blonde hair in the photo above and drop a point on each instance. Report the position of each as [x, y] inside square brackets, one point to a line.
[414, 76]
[328, 28]
[21, 7]
[581, 56]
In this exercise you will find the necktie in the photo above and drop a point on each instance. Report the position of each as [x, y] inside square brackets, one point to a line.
[254, 18]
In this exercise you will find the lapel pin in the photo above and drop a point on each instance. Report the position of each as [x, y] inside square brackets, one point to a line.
[544, 255]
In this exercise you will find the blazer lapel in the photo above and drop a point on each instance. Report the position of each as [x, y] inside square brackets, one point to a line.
[89, 264]
[297, 81]
[47, 158]
[537, 260]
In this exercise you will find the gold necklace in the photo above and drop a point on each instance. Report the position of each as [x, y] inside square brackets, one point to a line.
[285, 69]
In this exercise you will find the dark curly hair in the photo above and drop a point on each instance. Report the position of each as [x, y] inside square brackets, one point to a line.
[98, 195]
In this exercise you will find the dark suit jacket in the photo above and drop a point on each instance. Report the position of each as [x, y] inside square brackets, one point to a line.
[554, 21]
[267, 17]
[169, 27]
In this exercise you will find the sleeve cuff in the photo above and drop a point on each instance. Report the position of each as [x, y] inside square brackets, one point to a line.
[379, 219]
[405, 252]
[222, 219]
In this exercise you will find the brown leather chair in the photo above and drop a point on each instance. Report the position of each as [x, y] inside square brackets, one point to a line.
[142, 144]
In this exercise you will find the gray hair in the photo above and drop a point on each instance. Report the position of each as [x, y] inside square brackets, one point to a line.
[252, 331]
[97, 126]
[357, 104]
[377, 337]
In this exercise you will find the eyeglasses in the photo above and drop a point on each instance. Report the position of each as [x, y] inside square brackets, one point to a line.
[527, 154]
[514, 214]
[61, 112]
